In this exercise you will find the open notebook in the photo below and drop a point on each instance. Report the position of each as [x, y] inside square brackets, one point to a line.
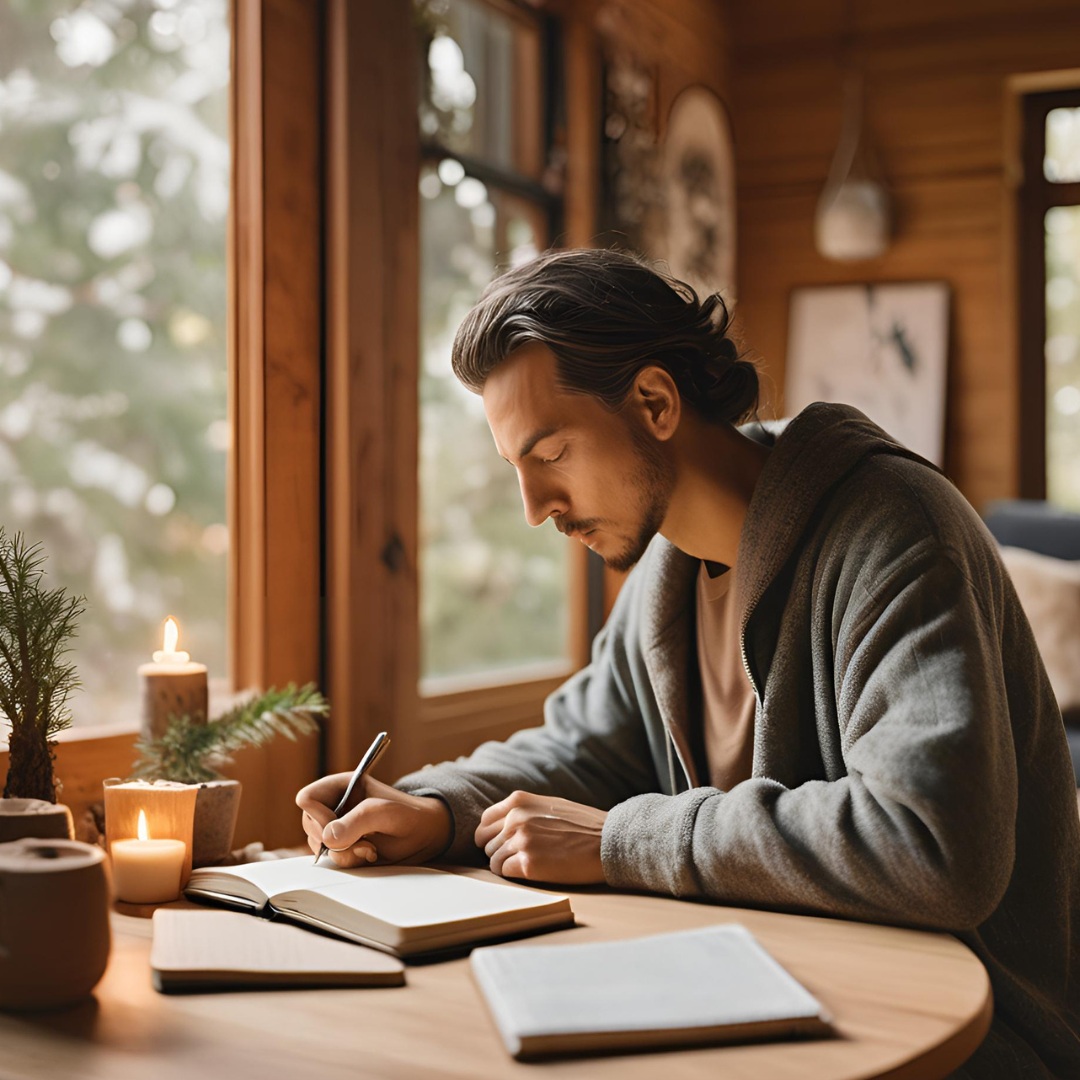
[716, 984]
[215, 950]
[406, 910]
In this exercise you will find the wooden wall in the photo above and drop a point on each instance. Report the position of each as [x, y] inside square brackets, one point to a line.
[936, 82]
[687, 40]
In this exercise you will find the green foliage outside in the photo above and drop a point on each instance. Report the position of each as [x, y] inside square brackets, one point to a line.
[114, 181]
[1063, 356]
[492, 590]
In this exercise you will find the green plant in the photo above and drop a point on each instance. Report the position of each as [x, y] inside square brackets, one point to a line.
[36, 625]
[191, 751]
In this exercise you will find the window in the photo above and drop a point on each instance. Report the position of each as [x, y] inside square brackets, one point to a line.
[267, 282]
[1050, 298]
[455, 174]
[493, 592]
[114, 198]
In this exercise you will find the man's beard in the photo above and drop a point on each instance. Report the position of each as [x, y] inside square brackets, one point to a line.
[654, 479]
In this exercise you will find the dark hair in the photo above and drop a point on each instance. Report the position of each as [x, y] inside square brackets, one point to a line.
[606, 315]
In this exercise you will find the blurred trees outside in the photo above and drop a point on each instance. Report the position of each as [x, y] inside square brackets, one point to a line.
[114, 188]
[493, 591]
[1062, 165]
[1063, 356]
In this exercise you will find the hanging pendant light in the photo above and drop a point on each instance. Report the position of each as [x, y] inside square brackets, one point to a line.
[853, 217]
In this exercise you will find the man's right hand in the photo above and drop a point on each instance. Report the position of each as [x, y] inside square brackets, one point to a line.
[387, 826]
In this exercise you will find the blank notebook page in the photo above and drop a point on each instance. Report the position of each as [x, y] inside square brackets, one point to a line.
[399, 895]
[416, 896]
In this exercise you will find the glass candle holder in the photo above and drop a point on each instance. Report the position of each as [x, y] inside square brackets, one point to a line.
[169, 808]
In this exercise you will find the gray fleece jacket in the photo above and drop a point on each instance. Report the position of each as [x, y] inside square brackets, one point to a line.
[910, 764]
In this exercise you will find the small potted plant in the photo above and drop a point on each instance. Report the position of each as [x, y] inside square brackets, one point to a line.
[192, 751]
[36, 627]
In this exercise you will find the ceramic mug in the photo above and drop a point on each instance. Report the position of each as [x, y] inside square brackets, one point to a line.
[54, 922]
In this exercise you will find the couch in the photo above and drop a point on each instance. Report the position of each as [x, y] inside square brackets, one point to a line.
[1040, 546]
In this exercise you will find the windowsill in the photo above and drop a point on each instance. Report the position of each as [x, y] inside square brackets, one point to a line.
[220, 701]
[441, 686]
[90, 731]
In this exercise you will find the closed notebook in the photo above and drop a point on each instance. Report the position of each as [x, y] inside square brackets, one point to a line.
[410, 911]
[214, 950]
[696, 986]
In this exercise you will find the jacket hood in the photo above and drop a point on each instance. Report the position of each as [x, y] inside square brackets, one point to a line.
[812, 454]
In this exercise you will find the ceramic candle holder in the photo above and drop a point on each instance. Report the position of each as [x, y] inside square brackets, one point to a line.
[169, 807]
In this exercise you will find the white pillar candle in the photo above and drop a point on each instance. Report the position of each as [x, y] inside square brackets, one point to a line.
[147, 871]
[172, 685]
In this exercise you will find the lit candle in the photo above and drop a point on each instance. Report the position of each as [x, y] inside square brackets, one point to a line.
[169, 809]
[172, 685]
[147, 871]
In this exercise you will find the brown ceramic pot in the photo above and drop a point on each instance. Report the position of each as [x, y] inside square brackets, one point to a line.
[35, 818]
[54, 922]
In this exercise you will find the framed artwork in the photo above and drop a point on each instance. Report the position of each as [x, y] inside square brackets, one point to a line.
[629, 152]
[697, 193]
[881, 348]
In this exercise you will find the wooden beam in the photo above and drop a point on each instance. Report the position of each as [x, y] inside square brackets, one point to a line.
[372, 244]
[275, 243]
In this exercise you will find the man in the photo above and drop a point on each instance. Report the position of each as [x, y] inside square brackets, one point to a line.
[816, 692]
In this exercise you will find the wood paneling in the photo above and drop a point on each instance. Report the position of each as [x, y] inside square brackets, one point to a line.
[687, 39]
[937, 107]
[765, 24]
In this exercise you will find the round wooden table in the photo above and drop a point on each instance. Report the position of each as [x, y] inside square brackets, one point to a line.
[905, 1004]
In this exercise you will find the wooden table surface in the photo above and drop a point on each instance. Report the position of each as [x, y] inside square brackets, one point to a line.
[906, 1004]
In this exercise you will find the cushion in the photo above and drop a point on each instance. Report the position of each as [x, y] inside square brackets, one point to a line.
[1035, 525]
[1049, 591]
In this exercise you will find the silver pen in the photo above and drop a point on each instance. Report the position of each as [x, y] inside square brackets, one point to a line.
[380, 743]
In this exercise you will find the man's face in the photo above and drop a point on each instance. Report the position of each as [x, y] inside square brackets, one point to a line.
[600, 476]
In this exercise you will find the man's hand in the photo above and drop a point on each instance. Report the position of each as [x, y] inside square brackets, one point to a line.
[540, 838]
[387, 826]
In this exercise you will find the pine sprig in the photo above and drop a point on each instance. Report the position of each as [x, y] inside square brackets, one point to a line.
[192, 752]
[36, 627]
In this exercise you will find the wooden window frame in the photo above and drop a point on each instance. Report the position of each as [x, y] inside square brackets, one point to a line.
[373, 268]
[275, 349]
[1035, 196]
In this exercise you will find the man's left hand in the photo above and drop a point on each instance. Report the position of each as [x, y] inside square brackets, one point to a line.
[541, 838]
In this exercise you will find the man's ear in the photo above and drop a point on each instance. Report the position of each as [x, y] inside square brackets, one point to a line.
[656, 400]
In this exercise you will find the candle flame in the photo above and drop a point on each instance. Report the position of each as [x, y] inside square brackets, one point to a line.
[144, 831]
[170, 654]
